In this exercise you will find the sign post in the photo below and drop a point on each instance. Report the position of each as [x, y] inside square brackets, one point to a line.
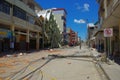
[108, 33]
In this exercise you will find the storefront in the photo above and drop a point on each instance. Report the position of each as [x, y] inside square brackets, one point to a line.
[5, 38]
[22, 44]
[33, 37]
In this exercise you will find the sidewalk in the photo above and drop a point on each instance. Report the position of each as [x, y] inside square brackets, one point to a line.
[112, 70]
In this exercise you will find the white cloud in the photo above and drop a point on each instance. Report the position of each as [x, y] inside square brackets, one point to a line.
[81, 21]
[86, 7]
[83, 8]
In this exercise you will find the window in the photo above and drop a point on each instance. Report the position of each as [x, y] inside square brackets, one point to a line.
[21, 0]
[4, 7]
[19, 13]
[63, 18]
[30, 19]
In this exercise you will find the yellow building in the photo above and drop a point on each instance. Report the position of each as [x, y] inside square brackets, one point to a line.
[17, 25]
[109, 15]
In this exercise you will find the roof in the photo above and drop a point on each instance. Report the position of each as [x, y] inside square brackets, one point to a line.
[58, 9]
[45, 14]
[90, 25]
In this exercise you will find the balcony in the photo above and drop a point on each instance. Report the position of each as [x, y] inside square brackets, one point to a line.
[114, 4]
[33, 27]
[20, 23]
[113, 14]
[38, 28]
[22, 5]
[5, 18]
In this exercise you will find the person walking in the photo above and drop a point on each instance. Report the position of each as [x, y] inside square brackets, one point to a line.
[80, 45]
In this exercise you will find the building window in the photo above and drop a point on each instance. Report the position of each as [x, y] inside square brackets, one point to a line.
[63, 18]
[4, 7]
[21, 0]
[19, 13]
[64, 24]
[30, 19]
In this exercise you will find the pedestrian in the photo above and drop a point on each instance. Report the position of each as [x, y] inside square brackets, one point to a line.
[80, 45]
[12, 46]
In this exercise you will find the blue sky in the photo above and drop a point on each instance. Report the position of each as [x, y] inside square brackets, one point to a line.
[79, 13]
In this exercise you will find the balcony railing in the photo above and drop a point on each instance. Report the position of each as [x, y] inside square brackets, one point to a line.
[22, 5]
[38, 28]
[26, 25]
[20, 23]
[34, 27]
[5, 18]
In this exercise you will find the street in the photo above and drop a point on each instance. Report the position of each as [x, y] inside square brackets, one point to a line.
[54, 40]
[59, 64]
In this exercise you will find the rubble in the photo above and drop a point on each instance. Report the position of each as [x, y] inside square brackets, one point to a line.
[20, 54]
[8, 55]
[51, 49]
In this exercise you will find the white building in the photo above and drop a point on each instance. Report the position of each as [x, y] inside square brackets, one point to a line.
[60, 15]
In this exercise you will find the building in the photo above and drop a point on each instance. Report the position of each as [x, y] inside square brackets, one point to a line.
[99, 37]
[51, 33]
[110, 18]
[60, 15]
[17, 25]
[91, 31]
[68, 35]
[71, 37]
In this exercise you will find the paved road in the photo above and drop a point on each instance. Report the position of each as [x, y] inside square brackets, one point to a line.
[73, 64]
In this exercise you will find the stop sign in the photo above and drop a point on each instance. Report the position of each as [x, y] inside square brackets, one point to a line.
[108, 32]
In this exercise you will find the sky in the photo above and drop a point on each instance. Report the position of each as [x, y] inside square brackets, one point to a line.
[79, 13]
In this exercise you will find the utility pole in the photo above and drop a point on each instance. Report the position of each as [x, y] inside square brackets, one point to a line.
[44, 22]
[43, 30]
[80, 43]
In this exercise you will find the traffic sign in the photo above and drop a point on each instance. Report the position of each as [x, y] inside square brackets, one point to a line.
[108, 32]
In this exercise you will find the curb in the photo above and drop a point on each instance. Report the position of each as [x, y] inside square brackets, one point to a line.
[108, 78]
[98, 63]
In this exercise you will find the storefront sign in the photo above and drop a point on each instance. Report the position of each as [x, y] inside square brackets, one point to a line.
[5, 33]
[108, 32]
